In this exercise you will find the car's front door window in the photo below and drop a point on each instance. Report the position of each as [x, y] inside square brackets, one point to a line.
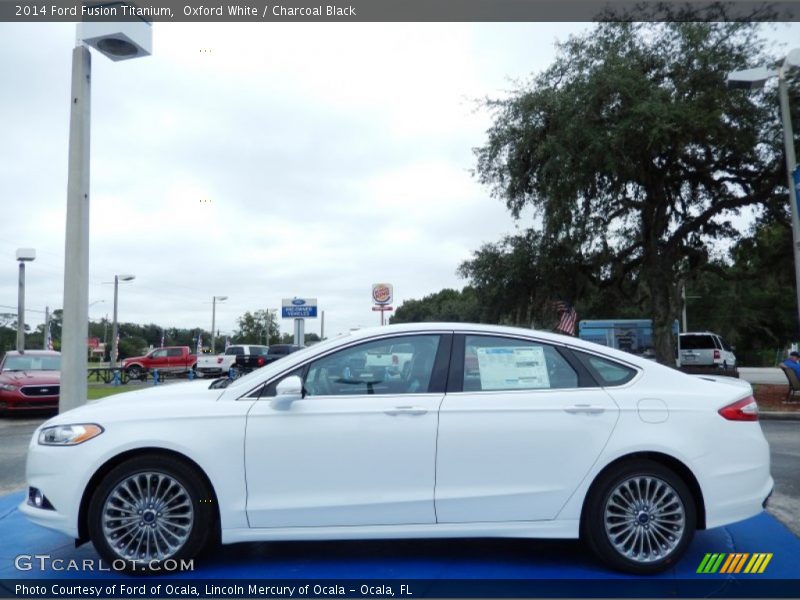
[373, 368]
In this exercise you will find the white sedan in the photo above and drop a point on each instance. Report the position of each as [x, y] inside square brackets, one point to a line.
[491, 432]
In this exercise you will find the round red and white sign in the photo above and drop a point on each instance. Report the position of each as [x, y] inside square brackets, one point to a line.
[382, 293]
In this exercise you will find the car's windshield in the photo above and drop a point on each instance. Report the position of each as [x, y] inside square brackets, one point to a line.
[32, 362]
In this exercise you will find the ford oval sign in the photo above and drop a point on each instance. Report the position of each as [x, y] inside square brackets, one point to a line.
[298, 301]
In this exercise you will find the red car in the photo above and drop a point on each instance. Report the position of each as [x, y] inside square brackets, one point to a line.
[30, 380]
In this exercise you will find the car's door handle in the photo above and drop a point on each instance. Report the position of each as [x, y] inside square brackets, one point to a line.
[584, 409]
[406, 410]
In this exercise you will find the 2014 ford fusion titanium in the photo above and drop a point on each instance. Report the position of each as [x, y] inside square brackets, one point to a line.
[490, 431]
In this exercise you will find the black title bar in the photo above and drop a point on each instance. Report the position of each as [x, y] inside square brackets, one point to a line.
[396, 10]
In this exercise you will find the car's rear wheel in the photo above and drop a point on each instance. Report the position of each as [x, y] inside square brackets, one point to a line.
[640, 517]
[134, 372]
[150, 509]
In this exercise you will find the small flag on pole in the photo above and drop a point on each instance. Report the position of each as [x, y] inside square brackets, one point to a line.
[162, 338]
[227, 342]
[568, 318]
[49, 338]
[116, 349]
[200, 343]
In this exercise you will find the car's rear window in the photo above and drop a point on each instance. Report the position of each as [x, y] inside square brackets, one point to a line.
[697, 342]
[607, 372]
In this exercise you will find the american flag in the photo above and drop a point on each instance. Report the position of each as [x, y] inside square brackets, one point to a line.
[116, 349]
[199, 343]
[49, 338]
[568, 318]
[162, 338]
[227, 342]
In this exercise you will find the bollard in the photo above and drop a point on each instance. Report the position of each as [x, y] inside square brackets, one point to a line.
[155, 377]
[115, 381]
[231, 373]
[191, 374]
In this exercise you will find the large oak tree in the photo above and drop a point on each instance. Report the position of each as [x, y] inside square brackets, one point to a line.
[631, 151]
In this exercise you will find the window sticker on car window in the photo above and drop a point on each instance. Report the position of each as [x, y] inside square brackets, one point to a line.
[512, 367]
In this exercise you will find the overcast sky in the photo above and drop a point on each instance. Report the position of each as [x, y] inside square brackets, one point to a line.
[261, 161]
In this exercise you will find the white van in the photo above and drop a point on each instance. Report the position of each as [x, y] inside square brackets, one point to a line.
[705, 349]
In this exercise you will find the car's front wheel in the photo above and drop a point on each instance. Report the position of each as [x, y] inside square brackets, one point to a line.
[134, 372]
[639, 518]
[149, 509]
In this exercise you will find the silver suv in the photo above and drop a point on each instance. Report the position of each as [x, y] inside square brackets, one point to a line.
[705, 349]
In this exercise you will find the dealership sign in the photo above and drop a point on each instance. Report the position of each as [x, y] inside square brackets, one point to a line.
[299, 308]
[382, 293]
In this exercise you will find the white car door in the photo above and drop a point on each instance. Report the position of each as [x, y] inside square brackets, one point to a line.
[521, 435]
[358, 449]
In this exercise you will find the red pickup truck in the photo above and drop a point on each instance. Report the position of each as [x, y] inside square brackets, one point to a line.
[175, 359]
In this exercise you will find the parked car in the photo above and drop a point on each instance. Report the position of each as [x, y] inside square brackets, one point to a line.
[704, 348]
[30, 380]
[171, 359]
[546, 436]
[278, 351]
[221, 364]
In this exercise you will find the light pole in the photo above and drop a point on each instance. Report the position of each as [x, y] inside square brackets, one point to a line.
[214, 301]
[23, 255]
[752, 79]
[114, 328]
[117, 41]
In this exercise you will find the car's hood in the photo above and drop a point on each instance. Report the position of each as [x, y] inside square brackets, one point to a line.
[30, 377]
[151, 401]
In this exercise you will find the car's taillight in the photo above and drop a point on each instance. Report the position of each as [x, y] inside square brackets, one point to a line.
[260, 361]
[745, 409]
[395, 359]
[716, 354]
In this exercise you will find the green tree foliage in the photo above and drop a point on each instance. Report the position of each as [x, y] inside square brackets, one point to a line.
[751, 301]
[517, 281]
[634, 156]
[259, 327]
[447, 306]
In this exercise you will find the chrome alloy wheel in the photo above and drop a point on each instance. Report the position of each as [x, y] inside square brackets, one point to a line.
[147, 516]
[644, 519]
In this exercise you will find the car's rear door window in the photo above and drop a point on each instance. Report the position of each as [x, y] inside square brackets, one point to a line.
[499, 364]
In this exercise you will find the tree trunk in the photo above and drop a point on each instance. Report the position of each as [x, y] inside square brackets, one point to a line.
[663, 311]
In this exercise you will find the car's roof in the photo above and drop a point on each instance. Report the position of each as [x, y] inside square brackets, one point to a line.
[545, 336]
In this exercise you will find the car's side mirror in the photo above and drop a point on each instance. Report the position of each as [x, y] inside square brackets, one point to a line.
[286, 392]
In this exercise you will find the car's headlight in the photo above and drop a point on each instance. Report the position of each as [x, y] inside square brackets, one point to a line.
[68, 435]
[7, 387]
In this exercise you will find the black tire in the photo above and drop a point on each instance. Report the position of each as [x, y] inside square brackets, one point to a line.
[184, 496]
[604, 526]
[134, 372]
